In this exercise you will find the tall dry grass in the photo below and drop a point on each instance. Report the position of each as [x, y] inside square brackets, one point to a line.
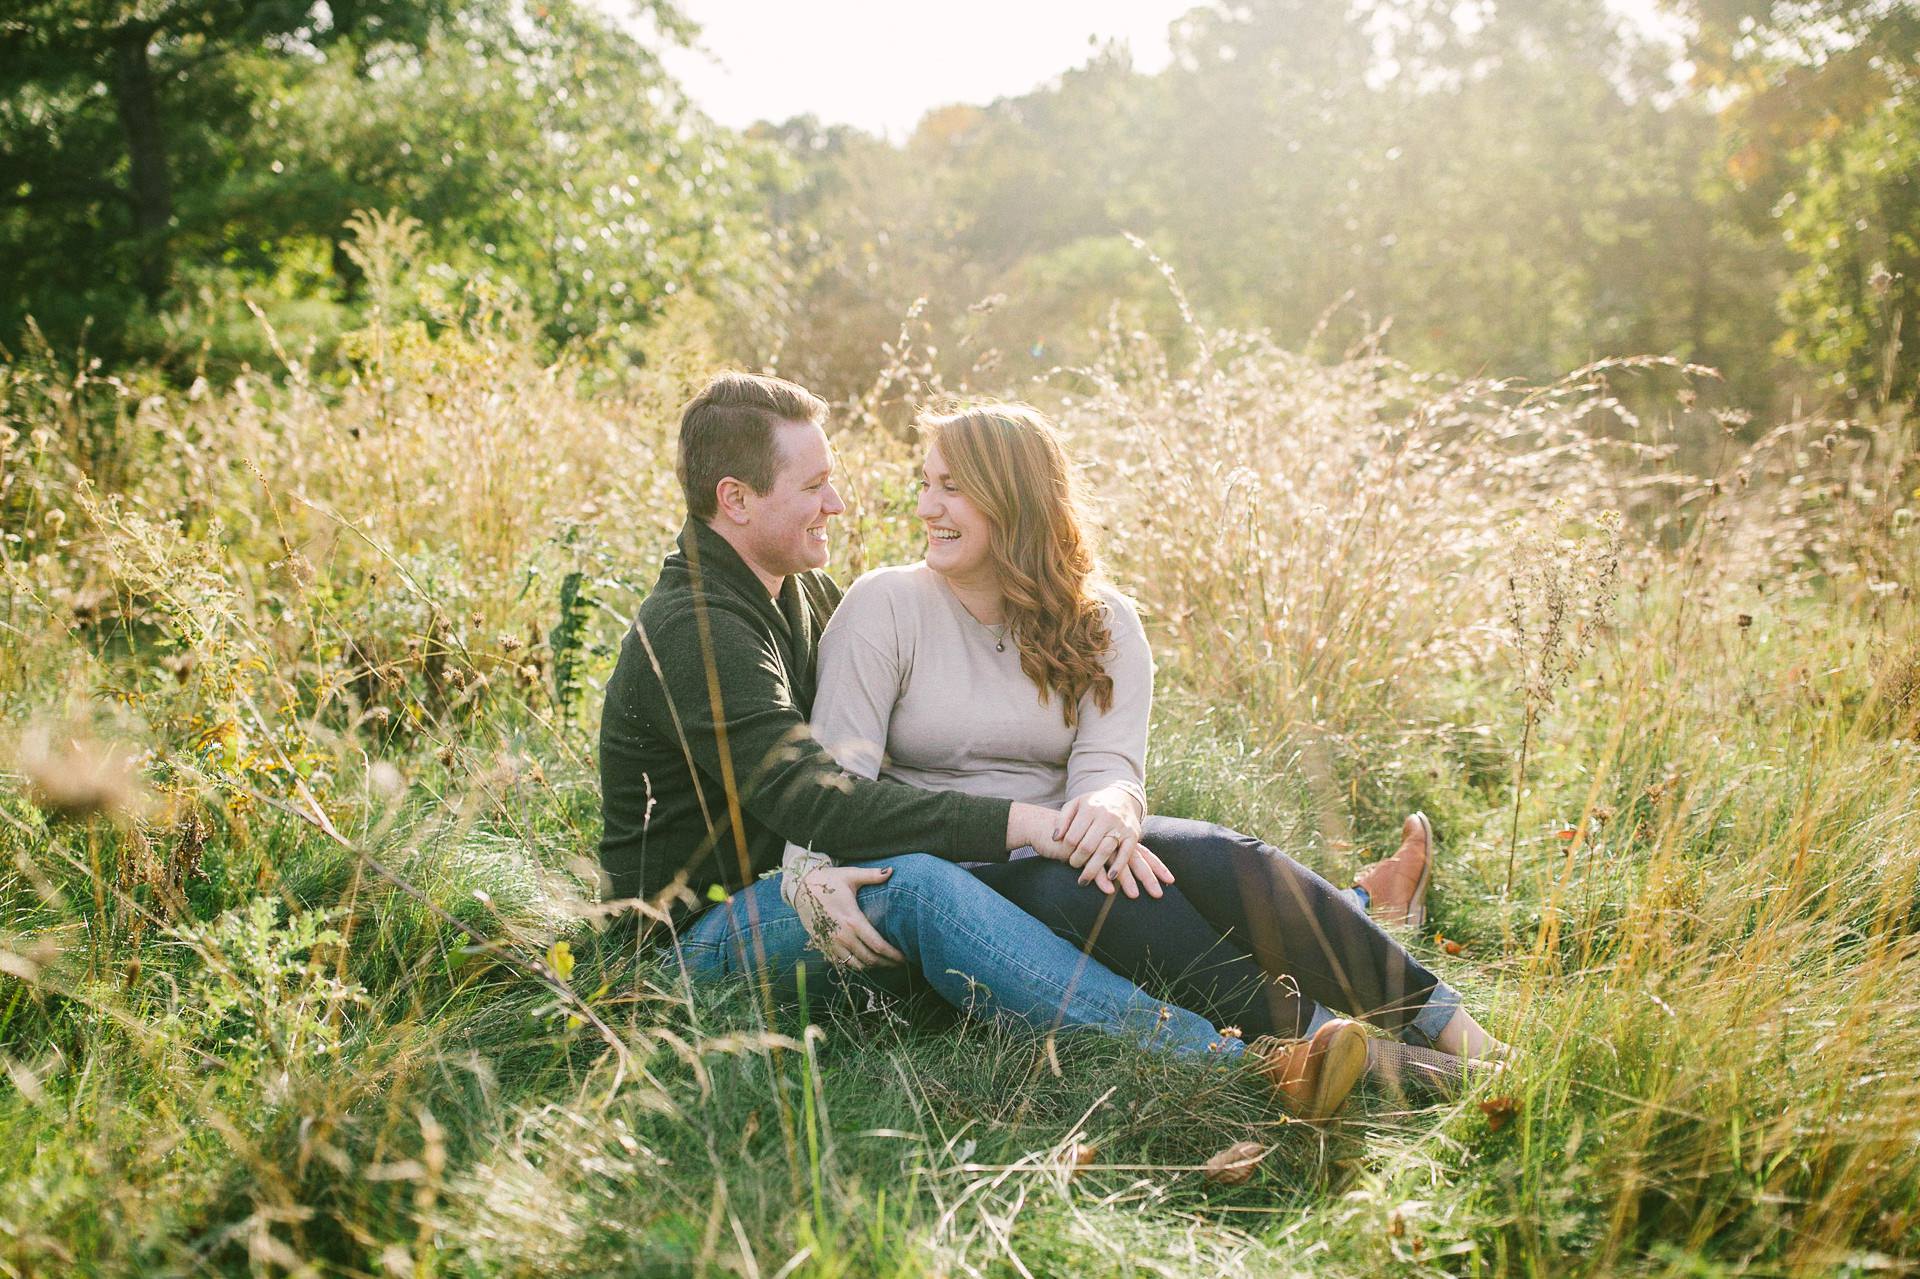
[294, 641]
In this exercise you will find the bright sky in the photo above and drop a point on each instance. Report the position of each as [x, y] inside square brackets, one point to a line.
[882, 66]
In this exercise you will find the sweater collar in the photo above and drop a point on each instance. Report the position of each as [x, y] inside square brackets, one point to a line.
[720, 566]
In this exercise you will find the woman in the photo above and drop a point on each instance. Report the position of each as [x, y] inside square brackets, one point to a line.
[1000, 665]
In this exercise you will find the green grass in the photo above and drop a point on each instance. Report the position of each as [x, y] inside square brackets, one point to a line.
[1708, 958]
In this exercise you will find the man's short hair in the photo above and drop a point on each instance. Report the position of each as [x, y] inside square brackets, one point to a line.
[728, 429]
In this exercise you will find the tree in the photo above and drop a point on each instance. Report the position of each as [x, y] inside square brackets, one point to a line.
[1822, 137]
[541, 146]
[70, 62]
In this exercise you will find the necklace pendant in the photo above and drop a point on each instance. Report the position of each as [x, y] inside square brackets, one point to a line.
[1000, 646]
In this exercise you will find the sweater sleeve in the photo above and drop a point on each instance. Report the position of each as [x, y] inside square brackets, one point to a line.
[1110, 746]
[723, 690]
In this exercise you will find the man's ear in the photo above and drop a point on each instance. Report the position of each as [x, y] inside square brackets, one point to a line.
[731, 497]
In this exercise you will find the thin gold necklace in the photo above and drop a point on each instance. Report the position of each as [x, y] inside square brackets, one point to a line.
[999, 632]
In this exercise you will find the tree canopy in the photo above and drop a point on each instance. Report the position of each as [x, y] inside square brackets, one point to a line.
[1509, 186]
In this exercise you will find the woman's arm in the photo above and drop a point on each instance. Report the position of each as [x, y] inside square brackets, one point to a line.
[1106, 767]
[1110, 746]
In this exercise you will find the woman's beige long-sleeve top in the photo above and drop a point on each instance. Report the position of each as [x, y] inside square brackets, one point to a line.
[914, 689]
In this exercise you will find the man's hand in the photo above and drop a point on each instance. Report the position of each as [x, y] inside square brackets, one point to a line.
[828, 904]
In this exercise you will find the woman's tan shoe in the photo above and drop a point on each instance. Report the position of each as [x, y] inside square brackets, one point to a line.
[1315, 1074]
[1397, 886]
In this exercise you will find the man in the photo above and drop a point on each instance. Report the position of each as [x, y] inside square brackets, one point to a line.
[708, 768]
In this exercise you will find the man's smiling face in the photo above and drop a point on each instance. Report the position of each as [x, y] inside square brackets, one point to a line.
[786, 531]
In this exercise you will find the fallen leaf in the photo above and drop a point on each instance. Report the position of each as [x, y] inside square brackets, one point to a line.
[1235, 1164]
[1499, 1111]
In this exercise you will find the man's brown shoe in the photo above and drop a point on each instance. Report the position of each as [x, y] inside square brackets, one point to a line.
[1397, 886]
[1315, 1074]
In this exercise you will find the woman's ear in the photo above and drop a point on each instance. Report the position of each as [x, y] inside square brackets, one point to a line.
[731, 497]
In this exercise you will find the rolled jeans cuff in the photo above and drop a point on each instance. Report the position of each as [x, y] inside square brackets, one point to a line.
[1424, 1030]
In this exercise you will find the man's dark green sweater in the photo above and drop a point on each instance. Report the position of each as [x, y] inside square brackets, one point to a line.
[707, 767]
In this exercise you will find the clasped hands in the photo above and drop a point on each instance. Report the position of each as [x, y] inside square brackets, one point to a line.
[1097, 833]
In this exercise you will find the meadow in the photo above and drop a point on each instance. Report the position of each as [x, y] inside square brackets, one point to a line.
[302, 968]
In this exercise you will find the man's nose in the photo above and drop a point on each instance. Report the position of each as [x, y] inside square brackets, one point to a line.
[832, 505]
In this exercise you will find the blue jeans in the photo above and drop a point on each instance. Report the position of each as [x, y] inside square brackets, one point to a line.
[976, 949]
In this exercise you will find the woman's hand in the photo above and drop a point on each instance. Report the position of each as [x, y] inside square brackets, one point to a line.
[1101, 831]
[827, 901]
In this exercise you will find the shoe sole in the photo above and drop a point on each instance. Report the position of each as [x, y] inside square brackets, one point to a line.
[1417, 909]
[1341, 1066]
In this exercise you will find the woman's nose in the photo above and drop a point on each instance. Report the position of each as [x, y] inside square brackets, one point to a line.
[926, 508]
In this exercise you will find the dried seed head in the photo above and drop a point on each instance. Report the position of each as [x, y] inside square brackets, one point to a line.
[70, 774]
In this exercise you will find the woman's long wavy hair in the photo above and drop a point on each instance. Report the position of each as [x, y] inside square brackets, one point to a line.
[1009, 462]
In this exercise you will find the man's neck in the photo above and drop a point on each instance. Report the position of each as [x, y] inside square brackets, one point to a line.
[771, 581]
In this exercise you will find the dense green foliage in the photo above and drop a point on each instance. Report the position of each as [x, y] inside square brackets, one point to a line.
[1508, 188]
[544, 153]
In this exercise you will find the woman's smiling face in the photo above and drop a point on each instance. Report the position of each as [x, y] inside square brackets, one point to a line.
[959, 535]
